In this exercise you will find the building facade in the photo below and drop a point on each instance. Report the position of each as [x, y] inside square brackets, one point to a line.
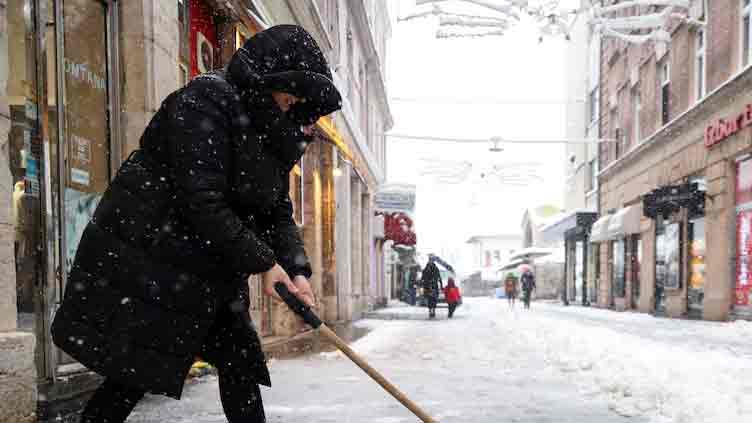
[674, 187]
[79, 81]
[572, 227]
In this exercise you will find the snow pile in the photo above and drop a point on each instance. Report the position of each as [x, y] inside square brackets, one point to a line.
[670, 370]
[389, 333]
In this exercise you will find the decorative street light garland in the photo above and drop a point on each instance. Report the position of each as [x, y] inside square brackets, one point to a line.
[633, 21]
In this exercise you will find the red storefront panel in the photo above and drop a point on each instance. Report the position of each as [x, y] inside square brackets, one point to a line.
[203, 37]
[743, 256]
[744, 233]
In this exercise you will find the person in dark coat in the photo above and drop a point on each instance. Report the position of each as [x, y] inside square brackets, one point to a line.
[430, 282]
[160, 275]
[527, 281]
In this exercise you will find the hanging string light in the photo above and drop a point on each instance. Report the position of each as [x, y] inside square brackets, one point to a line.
[650, 19]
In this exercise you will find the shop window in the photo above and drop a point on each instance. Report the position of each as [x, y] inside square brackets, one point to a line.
[746, 30]
[636, 263]
[18, 59]
[594, 286]
[580, 296]
[744, 233]
[700, 63]
[697, 249]
[618, 259]
[665, 73]
[661, 272]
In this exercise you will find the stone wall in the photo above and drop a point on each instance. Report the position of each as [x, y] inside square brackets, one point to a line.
[549, 279]
[475, 286]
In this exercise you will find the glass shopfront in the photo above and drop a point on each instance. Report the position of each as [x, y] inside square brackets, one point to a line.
[619, 268]
[696, 268]
[594, 286]
[636, 263]
[63, 128]
[743, 286]
[660, 265]
[579, 273]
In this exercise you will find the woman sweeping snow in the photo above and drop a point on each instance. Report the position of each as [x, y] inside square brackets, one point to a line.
[161, 272]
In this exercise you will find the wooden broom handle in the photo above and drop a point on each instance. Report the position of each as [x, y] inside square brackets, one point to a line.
[374, 374]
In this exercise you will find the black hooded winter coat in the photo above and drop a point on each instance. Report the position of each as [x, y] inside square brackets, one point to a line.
[431, 280]
[160, 273]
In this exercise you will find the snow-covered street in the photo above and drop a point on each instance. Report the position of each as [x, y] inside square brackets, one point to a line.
[490, 364]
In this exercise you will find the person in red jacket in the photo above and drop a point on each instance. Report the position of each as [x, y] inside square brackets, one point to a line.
[452, 294]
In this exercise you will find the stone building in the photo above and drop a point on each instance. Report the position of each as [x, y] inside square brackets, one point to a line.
[572, 227]
[80, 79]
[675, 186]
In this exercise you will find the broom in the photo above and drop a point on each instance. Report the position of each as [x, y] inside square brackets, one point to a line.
[311, 319]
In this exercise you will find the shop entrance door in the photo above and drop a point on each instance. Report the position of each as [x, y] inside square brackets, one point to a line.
[84, 54]
[661, 272]
[636, 263]
[579, 273]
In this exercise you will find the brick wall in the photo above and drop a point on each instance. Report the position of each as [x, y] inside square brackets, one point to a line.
[620, 62]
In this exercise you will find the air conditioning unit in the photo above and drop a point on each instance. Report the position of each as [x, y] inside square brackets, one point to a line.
[204, 53]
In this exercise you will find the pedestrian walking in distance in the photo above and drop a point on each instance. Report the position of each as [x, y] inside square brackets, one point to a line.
[453, 296]
[161, 272]
[510, 289]
[528, 285]
[430, 282]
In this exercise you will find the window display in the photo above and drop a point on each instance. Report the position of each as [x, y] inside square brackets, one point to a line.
[86, 120]
[672, 258]
[660, 265]
[696, 280]
[744, 233]
[579, 273]
[619, 268]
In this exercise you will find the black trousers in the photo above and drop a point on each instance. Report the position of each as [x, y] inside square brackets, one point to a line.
[113, 402]
[526, 296]
[452, 307]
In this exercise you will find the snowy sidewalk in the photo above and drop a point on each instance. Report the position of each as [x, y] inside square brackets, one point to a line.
[397, 310]
[491, 365]
[671, 370]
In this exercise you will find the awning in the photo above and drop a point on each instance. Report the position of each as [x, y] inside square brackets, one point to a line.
[511, 265]
[625, 222]
[599, 232]
[531, 253]
[576, 223]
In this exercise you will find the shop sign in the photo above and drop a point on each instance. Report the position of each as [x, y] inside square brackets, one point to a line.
[398, 228]
[396, 198]
[669, 199]
[721, 129]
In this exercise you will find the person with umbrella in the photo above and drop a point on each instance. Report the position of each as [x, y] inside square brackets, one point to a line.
[430, 282]
[527, 280]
